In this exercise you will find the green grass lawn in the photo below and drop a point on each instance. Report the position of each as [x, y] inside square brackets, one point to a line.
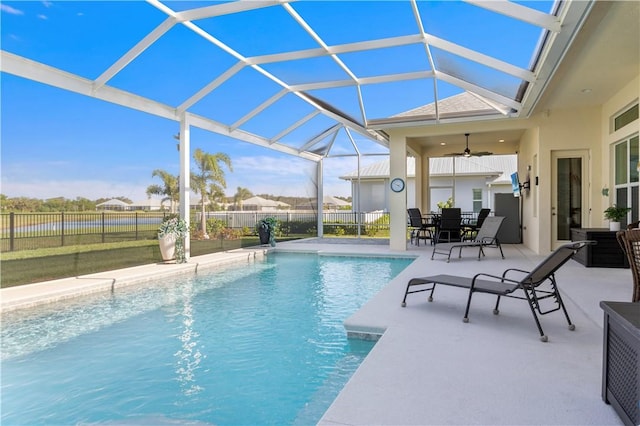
[30, 266]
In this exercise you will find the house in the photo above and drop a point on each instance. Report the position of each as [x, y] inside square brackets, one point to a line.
[471, 182]
[151, 204]
[329, 202]
[260, 204]
[113, 204]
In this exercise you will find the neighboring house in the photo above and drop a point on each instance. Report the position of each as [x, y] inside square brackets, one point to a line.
[151, 204]
[472, 186]
[261, 204]
[329, 202]
[113, 204]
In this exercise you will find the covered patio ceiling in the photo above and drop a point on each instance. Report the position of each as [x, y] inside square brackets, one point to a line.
[313, 79]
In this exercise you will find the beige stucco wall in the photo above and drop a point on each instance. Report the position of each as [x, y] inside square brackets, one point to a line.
[528, 154]
[398, 200]
[583, 128]
[586, 128]
[564, 130]
[618, 103]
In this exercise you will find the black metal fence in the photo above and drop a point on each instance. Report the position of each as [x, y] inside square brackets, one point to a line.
[23, 231]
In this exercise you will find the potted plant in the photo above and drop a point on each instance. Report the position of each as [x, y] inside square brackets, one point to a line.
[614, 214]
[267, 228]
[171, 234]
[445, 204]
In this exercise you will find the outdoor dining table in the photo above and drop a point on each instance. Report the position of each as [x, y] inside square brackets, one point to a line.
[467, 223]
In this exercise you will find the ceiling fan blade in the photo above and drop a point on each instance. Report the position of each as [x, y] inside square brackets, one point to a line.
[467, 152]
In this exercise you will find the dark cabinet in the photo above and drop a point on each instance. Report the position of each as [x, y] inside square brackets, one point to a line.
[621, 359]
[606, 253]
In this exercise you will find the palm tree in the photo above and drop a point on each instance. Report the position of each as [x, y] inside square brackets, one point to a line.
[241, 194]
[216, 195]
[170, 187]
[209, 171]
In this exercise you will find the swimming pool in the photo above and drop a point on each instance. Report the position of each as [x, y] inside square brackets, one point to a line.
[258, 344]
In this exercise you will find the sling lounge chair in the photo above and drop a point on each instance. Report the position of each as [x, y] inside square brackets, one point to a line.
[470, 230]
[536, 286]
[487, 236]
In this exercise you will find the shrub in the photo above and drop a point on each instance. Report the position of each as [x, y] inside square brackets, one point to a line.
[215, 227]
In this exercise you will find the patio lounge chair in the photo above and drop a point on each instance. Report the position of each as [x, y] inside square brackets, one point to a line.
[470, 230]
[487, 236]
[536, 285]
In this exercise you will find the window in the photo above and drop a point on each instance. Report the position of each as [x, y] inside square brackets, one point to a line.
[626, 164]
[625, 118]
[477, 200]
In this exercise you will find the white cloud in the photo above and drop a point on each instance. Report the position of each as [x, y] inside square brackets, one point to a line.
[43, 17]
[47, 4]
[8, 9]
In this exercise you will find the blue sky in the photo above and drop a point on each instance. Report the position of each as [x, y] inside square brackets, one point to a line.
[58, 143]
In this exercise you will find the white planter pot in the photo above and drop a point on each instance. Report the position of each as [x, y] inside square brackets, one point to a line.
[167, 247]
[614, 226]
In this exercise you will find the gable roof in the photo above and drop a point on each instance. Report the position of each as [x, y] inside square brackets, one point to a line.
[262, 202]
[465, 104]
[113, 202]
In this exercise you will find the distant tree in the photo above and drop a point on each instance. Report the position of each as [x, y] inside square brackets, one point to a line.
[57, 204]
[210, 171]
[170, 188]
[216, 196]
[240, 195]
[84, 204]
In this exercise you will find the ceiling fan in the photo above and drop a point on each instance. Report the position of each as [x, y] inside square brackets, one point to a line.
[467, 152]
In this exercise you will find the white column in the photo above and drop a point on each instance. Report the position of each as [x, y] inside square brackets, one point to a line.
[185, 181]
[320, 195]
[398, 200]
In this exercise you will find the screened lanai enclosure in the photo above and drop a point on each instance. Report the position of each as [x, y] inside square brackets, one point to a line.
[317, 80]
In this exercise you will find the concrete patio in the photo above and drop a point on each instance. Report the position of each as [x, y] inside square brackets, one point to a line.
[428, 366]
[431, 368]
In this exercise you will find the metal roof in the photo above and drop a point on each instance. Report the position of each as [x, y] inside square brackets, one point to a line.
[307, 77]
[498, 166]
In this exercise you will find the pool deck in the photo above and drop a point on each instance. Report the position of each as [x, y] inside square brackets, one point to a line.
[428, 367]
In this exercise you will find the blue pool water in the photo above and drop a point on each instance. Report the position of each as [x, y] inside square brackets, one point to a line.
[263, 343]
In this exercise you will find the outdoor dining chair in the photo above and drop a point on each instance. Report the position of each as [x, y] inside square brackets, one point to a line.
[419, 227]
[450, 226]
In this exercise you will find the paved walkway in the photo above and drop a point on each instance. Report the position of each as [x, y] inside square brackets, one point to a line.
[429, 367]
